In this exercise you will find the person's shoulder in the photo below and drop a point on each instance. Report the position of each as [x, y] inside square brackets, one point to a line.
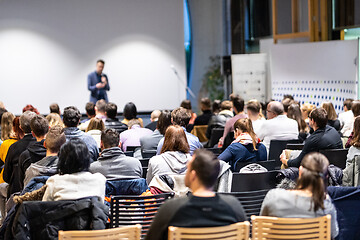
[229, 199]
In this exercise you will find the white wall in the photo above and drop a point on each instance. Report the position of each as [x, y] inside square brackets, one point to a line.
[48, 47]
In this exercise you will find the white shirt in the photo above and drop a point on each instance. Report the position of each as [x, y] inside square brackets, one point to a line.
[347, 122]
[279, 128]
[257, 124]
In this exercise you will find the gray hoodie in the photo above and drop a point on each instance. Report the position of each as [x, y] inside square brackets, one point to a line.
[170, 162]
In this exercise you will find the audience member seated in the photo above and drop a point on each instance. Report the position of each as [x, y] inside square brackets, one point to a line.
[113, 163]
[253, 108]
[151, 142]
[354, 149]
[181, 116]
[238, 107]
[346, 118]
[96, 125]
[187, 105]
[47, 166]
[74, 180]
[54, 108]
[2, 111]
[202, 208]
[36, 150]
[278, 126]
[219, 120]
[205, 106]
[154, 117]
[355, 108]
[332, 117]
[131, 137]
[287, 101]
[294, 112]
[174, 154]
[130, 112]
[215, 107]
[71, 118]
[30, 108]
[309, 199]
[323, 137]
[99, 113]
[54, 119]
[306, 108]
[11, 172]
[246, 147]
[90, 111]
[111, 120]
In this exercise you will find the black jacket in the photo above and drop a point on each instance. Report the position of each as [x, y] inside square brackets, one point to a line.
[43, 220]
[34, 153]
[322, 138]
[115, 124]
[217, 121]
[204, 118]
[12, 163]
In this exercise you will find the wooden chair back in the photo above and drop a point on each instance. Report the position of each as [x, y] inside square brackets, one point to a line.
[291, 228]
[126, 233]
[236, 231]
[200, 132]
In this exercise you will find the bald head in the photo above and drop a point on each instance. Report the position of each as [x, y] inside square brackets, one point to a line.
[275, 108]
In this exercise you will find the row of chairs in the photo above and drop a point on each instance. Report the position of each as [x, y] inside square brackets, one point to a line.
[262, 228]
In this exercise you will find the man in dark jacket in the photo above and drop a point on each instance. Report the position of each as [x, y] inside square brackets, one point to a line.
[323, 137]
[111, 120]
[203, 119]
[12, 159]
[35, 151]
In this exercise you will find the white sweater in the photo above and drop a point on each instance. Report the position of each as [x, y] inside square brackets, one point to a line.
[74, 186]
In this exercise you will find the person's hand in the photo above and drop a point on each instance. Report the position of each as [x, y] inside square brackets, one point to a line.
[103, 80]
[283, 158]
[100, 85]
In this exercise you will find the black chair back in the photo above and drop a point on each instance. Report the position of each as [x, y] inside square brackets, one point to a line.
[129, 153]
[228, 140]
[215, 151]
[251, 201]
[131, 210]
[269, 165]
[294, 146]
[148, 153]
[244, 182]
[336, 156]
[144, 162]
[132, 148]
[216, 134]
[276, 147]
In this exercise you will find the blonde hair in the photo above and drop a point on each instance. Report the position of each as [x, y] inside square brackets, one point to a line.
[54, 119]
[7, 125]
[96, 123]
[245, 125]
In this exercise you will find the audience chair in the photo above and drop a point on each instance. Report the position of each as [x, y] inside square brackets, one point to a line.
[216, 134]
[269, 165]
[295, 146]
[148, 153]
[276, 147]
[126, 232]
[129, 153]
[336, 156]
[251, 201]
[228, 140]
[132, 148]
[200, 132]
[144, 169]
[291, 228]
[144, 162]
[130, 210]
[238, 231]
[216, 151]
[244, 182]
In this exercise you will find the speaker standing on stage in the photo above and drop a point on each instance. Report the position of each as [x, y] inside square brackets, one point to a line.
[98, 83]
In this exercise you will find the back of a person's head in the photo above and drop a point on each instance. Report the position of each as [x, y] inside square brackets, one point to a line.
[286, 103]
[186, 104]
[101, 106]
[276, 107]
[226, 105]
[155, 115]
[55, 138]
[356, 133]
[74, 157]
[181, 116]
[25, 120]
[54, 119]
[216, 105]
[54, 108]
[19, 133]
[253, 106]
[289, 96]
[175, 140]
[206, 166]
[7, 125]
[347, 103]
[313, 177]
[110, 138]
[205, 104]
[355, 108]
[294, 112]
[95, 124]
[90, 109]
[71, 116]
[130, 111]
[111, 110]
[238, 103]
[319, 115]
[307, 107]
[39, 126]
[134, 122]
[330, 110]
[164, 121]
[30, 108]
[2, 105]
[2, 111]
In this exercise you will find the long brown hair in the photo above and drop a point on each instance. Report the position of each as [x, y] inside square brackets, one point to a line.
[294, 112]
[245, 125]
[175, 140]
[356, 133]
[313, 175]
[96, 123]
[19, 133]
[329, 108]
